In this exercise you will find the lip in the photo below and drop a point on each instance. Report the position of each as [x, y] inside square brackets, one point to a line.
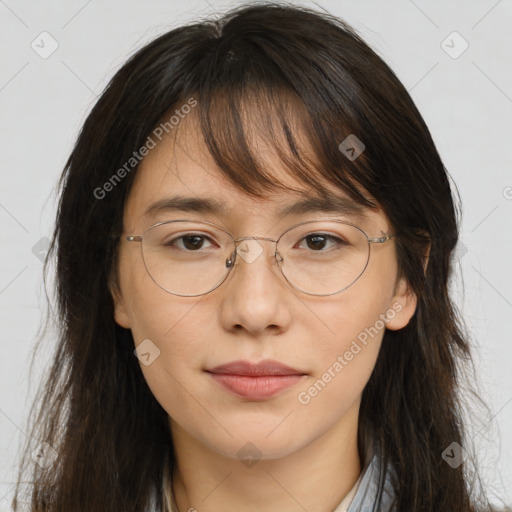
[256, 381]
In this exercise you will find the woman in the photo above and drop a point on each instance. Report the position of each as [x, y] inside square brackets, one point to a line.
[253, 245]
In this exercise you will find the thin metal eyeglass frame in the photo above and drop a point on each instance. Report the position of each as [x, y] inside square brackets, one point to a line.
[278, 258]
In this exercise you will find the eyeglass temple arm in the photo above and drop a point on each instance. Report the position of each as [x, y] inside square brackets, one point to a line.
[380, 240]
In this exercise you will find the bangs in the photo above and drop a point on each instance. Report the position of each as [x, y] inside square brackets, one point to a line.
[250, 112]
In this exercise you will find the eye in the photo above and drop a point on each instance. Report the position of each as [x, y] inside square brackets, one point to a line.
[189, 242]
[318, 241]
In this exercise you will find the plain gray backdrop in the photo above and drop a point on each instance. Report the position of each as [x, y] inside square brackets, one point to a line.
[453, 57]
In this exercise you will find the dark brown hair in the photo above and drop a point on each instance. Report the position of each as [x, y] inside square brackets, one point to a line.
[292, 69]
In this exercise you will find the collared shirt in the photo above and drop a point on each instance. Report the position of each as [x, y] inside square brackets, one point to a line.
[375, 490]
[372, 492]
[347, 500]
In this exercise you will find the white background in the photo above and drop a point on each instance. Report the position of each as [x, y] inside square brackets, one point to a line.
[466, 102]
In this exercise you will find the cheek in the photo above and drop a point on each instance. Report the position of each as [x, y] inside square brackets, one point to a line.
[353, 327]
[180, 339]
[344, 360]
[165, 326]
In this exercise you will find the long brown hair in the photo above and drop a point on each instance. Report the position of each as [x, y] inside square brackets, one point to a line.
[290, 66]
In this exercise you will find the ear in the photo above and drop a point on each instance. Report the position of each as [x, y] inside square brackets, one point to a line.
[120, 314]
[404, 304]
[405, 301]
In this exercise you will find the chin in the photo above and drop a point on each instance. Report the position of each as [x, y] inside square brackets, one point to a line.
[255, 444]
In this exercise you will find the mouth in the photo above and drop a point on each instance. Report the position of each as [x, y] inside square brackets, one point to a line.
[256, 381]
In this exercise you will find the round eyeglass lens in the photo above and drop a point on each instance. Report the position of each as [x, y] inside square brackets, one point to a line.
[323, 258]
[187, 258]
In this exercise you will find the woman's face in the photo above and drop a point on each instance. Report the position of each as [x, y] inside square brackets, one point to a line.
[333, 341]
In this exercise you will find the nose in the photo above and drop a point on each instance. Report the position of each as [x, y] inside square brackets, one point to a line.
[256, 297]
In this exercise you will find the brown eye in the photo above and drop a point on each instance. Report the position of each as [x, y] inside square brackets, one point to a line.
[190, 242]
[318, 241]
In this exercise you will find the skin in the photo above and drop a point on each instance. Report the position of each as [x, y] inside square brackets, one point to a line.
[309, 458]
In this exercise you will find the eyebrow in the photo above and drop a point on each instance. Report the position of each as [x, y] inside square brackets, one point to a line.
[329, 203]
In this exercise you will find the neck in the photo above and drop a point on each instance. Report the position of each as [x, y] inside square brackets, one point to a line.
[315, 478]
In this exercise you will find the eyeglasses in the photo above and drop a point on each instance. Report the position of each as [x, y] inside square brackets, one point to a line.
[318, 257]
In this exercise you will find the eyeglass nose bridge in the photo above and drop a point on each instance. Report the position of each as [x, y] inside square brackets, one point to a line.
[230, 261]
[255, 238]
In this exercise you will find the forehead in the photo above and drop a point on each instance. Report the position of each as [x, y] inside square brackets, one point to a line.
[179, 176]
